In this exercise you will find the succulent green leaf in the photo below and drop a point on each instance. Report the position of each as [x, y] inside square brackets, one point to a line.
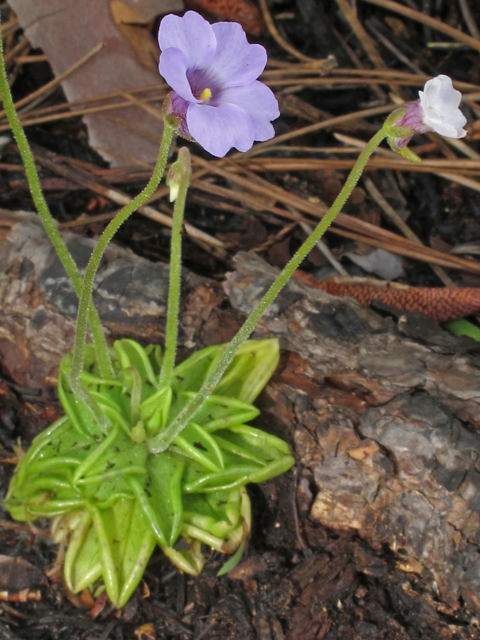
[132, 354]
[114, 500]
[219, 412]
[191, 373]
[233, 561]
[199, 445]
[83, 566]
[249, 372]
[125, 544]
[196, 480]
[189, 560]
[154, 410]
[251, 369]
[462, 327]
[164, 491]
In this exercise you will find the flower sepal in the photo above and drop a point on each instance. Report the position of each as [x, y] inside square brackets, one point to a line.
[400, 132]
[409, 155]
[397, 134]
[175, 115]
[405, 152]
[395, 117]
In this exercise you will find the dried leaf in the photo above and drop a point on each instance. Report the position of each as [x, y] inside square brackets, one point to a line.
[135, 31]
[145, 631]
[17, 574]
[67, 30]
[25, 595]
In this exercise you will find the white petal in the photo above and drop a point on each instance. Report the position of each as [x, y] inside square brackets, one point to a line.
[448, 98]
[457, 120]
[424, 102]
[431, 88]
[439, 102]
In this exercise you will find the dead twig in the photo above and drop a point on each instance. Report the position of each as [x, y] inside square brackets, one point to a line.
[21, 46]
[401, 225]
[427, 165]
[23, 527]
[469, 20]
[10, 26]
[418, 16]
[40, 94]
[80, 176]
[351, 227]
[455, 169]
[284, 44]
[357, 27]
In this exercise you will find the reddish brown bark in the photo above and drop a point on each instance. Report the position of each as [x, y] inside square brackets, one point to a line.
[242, 11]
[439, 304]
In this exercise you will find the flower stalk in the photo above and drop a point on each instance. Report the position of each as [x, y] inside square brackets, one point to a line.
[180, 175]
[46, 217]
[91, 270]
[162, 441]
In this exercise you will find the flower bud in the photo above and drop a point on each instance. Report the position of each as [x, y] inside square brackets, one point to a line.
[180, 170]
[173, 179]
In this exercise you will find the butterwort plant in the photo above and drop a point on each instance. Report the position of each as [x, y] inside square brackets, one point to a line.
[114, 490]
[151, 452]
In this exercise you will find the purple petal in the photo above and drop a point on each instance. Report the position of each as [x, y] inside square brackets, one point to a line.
[192, 34]
[173, 69]
[236, 62]
[218, 129]
[259, 103]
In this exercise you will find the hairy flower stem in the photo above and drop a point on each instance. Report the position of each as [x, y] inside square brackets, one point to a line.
[63, 253]
[163, 440]
[184, 172]
[92, 267]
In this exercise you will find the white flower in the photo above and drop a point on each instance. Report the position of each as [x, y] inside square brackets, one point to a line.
[439, 102]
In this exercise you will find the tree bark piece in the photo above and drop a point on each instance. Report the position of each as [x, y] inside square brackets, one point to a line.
[386, 428]
[383, 419]
[38, 305]
[437, 303]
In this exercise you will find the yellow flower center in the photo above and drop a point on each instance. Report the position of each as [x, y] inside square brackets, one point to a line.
[206, 95]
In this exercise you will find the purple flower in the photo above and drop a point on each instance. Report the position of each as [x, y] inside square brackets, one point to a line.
[213, 72]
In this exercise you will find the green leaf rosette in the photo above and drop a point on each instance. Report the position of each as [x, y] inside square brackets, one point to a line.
[113, 500]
